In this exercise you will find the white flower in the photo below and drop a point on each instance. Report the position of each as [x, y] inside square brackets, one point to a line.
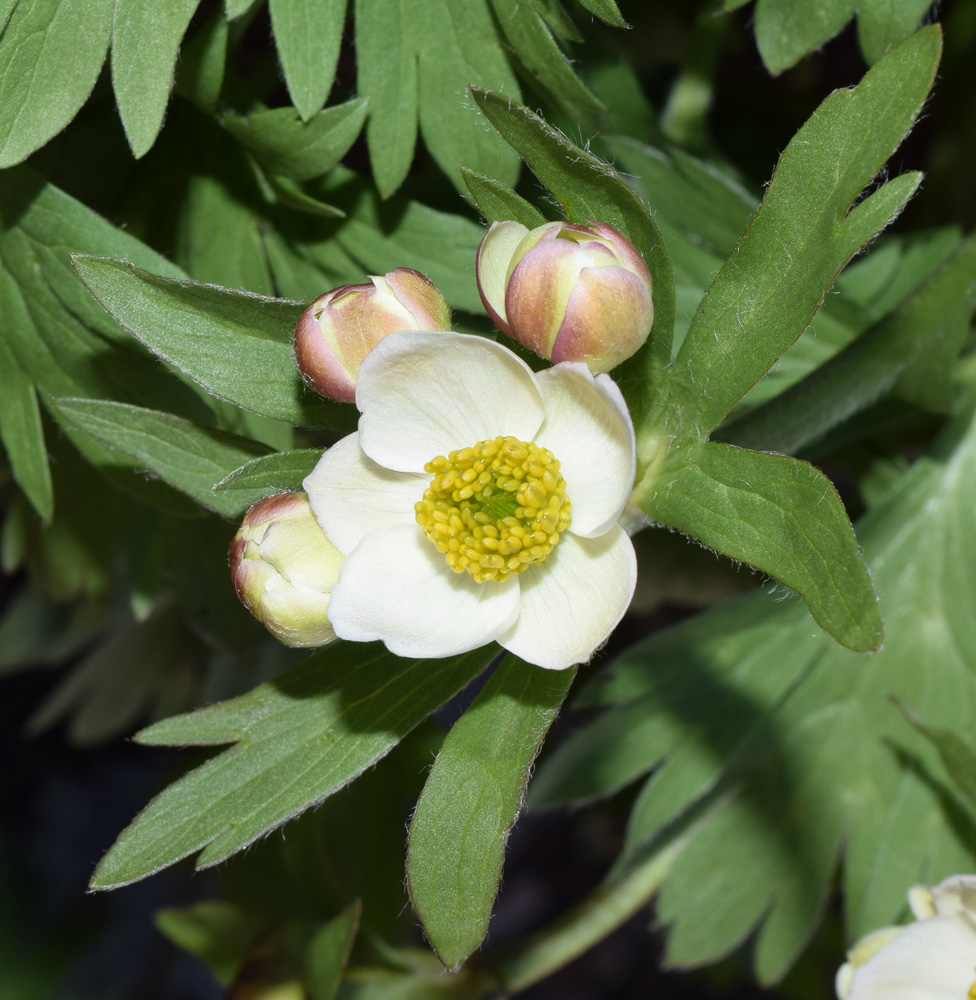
[932, 959]
[539, 562]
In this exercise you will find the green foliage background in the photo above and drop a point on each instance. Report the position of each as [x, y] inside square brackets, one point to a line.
[178, 178]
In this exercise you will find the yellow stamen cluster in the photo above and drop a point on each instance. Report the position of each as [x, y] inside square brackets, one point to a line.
[495, 508]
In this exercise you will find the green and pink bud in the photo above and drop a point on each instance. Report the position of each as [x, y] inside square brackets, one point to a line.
[284, 568]
[341, 327]
[567, 292]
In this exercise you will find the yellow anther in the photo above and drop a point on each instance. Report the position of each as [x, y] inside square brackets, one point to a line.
[495, 508]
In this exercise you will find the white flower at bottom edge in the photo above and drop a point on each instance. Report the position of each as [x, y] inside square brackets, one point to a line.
[426, 396]
[931, 959]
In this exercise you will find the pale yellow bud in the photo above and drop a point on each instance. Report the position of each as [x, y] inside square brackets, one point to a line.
[284, 568]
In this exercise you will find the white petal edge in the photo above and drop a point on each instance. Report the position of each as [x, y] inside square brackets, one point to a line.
[932, 959]
[573, 601]
[396, 586]
[427, 394]
[588, 428]
[351, 496]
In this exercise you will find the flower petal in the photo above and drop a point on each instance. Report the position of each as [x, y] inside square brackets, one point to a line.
[351, 495]
[573, 601]
[396, 586]
[933, 959]
[427, 394]
[491, 267]
[588, 428]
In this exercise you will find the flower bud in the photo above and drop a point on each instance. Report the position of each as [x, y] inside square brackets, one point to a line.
[341, 327]
[567, 292]
[284, 568]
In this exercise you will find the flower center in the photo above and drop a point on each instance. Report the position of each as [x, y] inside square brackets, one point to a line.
[495, 508]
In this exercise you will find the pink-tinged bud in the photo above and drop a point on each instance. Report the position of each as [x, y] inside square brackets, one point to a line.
[341, 327]
[567, 292]
[284, 568]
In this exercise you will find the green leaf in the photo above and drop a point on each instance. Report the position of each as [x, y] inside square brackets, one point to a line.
[218, 933]
[51, 52]
[588, 188]
[804, 232]
[911, 352]
[286, 145]
[440, 47]
[23, 435]
[282, 471]
[387, 75]
[532, 39]
[307, 35]
[781, 516]
[146, 36]
[786, 750]
[882, 24]
[787, 30]
[297, 740]
[606, 10]
[380, 236]
[237, 8]
[189, 457]
[236, 345]
[328, 952]
[496, 202]
[203, 59]
[471, 801]
[957, 753]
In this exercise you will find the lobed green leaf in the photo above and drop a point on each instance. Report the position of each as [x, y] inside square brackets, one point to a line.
[297, 740]
[910, 353]
[238, 346]
[786, 751]
[189, 457]
[804, 232]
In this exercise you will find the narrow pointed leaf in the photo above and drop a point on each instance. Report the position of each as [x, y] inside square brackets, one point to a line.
[882, 24]
[588, 188]
[200, 71]
[958, 754]
[238, 346]
[146, 36]
[496, 202]
[287, 146]
[23, 435]
[189, 457]
[51, 53]
[532, 39]
[471, 800]
[297, 740]
[307, 35]
[786, 30]
[606, 10]
[328, 952]
[781, 516]
[804, 232]
[281, 471]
